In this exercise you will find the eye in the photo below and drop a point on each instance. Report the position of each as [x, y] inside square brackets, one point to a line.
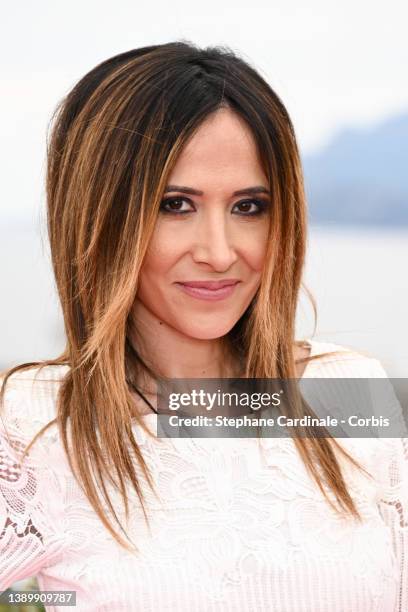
[174, 205]
[248, 208]
[260, 207]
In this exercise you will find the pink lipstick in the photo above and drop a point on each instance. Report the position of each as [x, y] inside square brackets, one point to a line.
[209, 290]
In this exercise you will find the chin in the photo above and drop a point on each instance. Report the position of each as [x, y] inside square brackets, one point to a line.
[210, 332]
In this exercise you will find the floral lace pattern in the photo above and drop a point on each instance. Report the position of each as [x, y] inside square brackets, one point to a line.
[29, 536]
[237, 524]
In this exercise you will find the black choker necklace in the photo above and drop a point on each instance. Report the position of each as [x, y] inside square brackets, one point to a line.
[142, 396]
[149, 404]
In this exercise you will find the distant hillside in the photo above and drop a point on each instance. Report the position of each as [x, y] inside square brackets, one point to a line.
[361, 177]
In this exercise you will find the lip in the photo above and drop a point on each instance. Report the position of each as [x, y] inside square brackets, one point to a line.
[204, 293]
[210, 284]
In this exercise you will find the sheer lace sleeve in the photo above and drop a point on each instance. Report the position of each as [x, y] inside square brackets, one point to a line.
[29, 503]
[392, 470]
[393, 505]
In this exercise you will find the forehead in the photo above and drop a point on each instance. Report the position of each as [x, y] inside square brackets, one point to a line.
[223, 149]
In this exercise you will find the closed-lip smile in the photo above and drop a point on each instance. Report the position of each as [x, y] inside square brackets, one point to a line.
[211, 285]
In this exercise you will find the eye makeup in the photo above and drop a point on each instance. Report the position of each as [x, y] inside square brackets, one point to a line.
[261, 206]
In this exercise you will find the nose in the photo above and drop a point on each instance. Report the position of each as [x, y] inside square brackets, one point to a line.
[214, 242]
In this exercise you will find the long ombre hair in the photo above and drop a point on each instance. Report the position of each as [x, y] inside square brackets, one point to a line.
[114, 140]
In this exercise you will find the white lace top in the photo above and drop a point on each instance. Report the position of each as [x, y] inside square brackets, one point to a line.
[234, 529]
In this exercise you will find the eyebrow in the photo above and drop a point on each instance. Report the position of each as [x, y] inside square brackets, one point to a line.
[191, 191]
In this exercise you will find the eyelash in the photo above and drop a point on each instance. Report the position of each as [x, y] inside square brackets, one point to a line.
[261, 204]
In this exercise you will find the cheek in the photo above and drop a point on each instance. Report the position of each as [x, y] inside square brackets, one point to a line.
[258, 257]
[254, 248]
[158, 266]
[162, 253]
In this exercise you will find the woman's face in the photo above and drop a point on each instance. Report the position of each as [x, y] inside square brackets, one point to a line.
[207, 231]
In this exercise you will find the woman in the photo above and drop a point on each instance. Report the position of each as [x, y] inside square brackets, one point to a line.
[169, 168]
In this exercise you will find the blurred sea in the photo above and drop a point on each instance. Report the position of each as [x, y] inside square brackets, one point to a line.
[359, 279]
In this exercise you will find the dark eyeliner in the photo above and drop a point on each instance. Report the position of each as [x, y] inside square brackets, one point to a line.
[261, 206]
[173, 199]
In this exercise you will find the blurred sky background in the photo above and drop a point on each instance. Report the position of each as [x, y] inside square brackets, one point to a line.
[340, 69]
